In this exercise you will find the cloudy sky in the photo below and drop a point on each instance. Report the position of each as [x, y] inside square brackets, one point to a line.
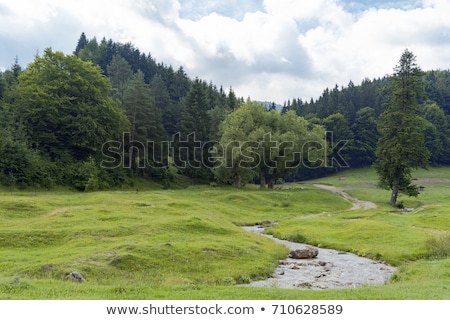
[270, 50]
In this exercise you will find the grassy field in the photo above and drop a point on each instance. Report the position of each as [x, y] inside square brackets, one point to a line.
[188, 243]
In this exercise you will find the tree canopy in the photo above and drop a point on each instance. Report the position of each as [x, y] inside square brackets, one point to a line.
[256, 142]
[66, 108]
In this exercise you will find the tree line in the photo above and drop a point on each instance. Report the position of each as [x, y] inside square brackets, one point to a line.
[353, 113]
[57, 114]
[107, 113]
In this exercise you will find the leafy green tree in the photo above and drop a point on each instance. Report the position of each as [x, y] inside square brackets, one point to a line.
[401, 147]
[298, 144]
[66, 106]
[239, 151]
[268, 145]
[67, 109]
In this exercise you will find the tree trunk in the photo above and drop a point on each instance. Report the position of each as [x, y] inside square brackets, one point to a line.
[262, 179]
[273, 179]
[238, 182]
[131, 155]
[195, 178]
[393, 201]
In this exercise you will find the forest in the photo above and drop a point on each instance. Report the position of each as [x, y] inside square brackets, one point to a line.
[108, 114]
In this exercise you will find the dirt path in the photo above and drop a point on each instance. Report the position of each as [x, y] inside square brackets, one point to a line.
[357, 204]
[330, 270]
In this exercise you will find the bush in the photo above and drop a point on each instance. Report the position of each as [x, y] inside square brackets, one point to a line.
[21, 166]
[83, 175]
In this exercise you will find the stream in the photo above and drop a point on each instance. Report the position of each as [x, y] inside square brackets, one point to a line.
[331, 269]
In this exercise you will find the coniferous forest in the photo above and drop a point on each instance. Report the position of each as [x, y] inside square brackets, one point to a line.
[108, 114]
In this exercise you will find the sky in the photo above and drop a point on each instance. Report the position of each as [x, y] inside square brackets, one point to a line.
[268, 50]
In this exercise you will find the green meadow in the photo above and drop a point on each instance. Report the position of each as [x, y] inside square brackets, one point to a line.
[188, 243]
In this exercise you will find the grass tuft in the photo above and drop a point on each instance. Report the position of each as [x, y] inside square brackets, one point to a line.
[438, 247]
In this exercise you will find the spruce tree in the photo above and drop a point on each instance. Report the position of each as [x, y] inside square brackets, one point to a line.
[401, 147]
[146, 131]
[82, 42]
[195, 125]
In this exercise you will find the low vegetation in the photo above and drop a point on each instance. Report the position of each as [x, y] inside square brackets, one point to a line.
[188, 243]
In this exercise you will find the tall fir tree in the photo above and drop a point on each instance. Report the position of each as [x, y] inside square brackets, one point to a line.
[195, 126]
[401, 147]
[146, 132]
[119, 72]
[82, 42]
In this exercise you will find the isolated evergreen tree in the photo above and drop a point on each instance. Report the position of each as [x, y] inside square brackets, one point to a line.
[401, 147]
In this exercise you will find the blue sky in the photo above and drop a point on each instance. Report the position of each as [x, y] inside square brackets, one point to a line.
[265, 49]
[195, 9]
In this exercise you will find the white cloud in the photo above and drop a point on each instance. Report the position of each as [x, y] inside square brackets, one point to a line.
[275, 50]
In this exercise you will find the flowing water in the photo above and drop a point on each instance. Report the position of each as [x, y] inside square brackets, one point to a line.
[331, 269]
